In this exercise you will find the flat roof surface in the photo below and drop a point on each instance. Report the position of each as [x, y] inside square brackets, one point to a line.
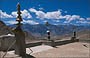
[76, 49]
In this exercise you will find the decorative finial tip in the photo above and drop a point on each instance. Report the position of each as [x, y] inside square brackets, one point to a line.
[46, 23]
[19, 18]
[18, 3]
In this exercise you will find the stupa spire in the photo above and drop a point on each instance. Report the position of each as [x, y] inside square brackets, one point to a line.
[19, 18]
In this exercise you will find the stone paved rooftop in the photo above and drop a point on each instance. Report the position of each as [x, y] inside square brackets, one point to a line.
[71, 50]
[77, 49]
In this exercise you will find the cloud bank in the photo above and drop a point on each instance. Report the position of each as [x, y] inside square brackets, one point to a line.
[41, 15]
[5, 15]
[25, 14]
[48, 15]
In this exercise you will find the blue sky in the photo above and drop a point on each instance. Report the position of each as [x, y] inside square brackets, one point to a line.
[39, 11]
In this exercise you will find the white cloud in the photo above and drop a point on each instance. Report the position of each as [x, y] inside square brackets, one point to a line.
[40, 14]
[25, 14]
[88, 18]
[55, 24]
[83, 22]
[44, 15]
[57, 15]
[11, 22]
[5, 15]
[62, 17]
[41, 9]
[65, 22]
[67, 17]
[70, 18]
[82, 19]
[48, 15]
[32, 10]
[24, 22]
[30, 22]
[14, 14]
[53, 15]
[57, 21]
[74, 17]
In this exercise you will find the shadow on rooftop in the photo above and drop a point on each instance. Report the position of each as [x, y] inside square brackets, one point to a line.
[65, 42]
[59, 42]
[29, 56]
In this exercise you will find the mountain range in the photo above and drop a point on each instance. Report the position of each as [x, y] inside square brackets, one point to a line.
[40, 30]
